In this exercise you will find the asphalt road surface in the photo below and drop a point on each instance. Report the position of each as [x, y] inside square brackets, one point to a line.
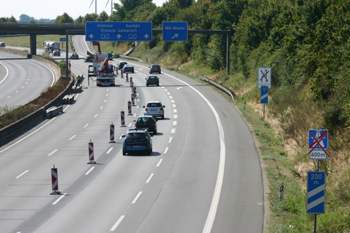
[204, 174]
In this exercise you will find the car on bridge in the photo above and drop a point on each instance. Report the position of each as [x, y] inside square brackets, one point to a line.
[74, 56]
[56, 53]
[88, 58]
[137, 140]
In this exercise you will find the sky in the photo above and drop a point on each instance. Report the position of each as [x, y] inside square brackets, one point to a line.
[50, 9]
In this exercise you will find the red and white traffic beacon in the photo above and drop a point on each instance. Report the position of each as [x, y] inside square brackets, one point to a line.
[54, 181]
[91, 153]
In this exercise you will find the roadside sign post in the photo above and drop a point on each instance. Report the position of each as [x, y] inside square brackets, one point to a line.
[316, 180]
[264, 83]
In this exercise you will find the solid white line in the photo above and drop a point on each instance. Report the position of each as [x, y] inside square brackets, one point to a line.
[117, 223]
[7, 72]
[173, 130]
[64, 194]
[52, 152]
[72, 137]
[221, 170]
[171, 138]
[149, 178]
[136, 198]
[66, 108]
[159, 163]
[175, 110]
[86, 125]
[95, 115]
[87, 173]
[175, 116]
[109, 150]
[166, 150]
[27, 135]
[175, 123]
[22, 174]
[76, 97]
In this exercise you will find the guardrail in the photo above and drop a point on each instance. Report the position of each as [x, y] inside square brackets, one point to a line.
[218, 85]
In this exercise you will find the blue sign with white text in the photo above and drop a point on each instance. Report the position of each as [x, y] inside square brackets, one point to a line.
[175, 31]
[118, 31]
[316, 189]
[264, 94]
[63, 39]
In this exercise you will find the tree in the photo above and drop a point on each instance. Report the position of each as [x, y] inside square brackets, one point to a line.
[79, 20]
[65, 18]
[90, 17]
[23, 18]
[103, 16]
[12, 20]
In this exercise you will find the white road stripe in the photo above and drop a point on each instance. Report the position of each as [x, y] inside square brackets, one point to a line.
[8, 97]
[175, 110]
[159, 163]
[95, 115]
[105, 101]
[170, 97]
[101, 107]
[168, 93]
[72, 137]
[173, 130]
[174, 105]
[149, 178]
[22, 174]
[117, 223]
[173, 101]
[165, 90]
[171, 138]
[166, 150]
[175, 123]
[86, 125]
[175, 116]
[16, 92]
[52, 152]
[109, 151]
[129, 125]
[136, 198]
[63, 195]
[87, 173]
[76, 97]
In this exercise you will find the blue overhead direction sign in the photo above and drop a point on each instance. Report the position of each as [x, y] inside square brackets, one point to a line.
[118, 31]
[316, 189]
[175, 31]
[264, 94]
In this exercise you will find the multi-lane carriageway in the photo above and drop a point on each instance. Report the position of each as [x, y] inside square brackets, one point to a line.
[204, 174]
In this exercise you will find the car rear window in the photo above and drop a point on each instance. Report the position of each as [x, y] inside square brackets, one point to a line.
[155, 66]
[153, 77]
[154, 105]
[145, 120]
[136, 135]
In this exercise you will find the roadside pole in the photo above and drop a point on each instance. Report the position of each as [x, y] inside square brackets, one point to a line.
[264, 83]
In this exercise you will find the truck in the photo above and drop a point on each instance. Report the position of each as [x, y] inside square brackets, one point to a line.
[51, 45]
[101, 68]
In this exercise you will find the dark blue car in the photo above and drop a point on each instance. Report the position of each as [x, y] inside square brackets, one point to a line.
[137, 140]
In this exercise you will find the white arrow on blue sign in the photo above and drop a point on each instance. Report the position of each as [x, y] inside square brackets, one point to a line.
[316, 189]
[264, 94]
[175, 31]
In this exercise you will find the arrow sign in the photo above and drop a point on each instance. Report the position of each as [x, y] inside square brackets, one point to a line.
[146, 36]
[175, 31]
[264, 95]
[91, 36]
[118, 36]
[176, 35]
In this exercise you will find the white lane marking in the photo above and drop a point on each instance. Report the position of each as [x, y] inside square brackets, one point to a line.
[66, 108]
[106, 94]
[165, 90]
[63, 195]
[72, 137]
[26, 82]
[8, 97]
[175, 123]
[173, 130]
[27, 135]
[29, 78]
[138, 100]
[166, 150]
[117, 223]
[101, 107]
[107, 89]
[109, 151]
[86, 125]
[175, 116]
[129, 125]
[22, 86]
[76, 97]
[168, 93]
[149, 178]
[90, 170]
[175, 110]
[120, 136]
[171, 138]
[162, 87]
[221, 170]
[105, 101]
[174, 105]
[22, 174]
[16, 92]
[52, 152]
[95, 115]
[7, 72]
[159, 163]
[170, 97]
[136, 198]
[173, 101]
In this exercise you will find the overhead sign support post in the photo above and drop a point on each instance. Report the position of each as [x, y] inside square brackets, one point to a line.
[316, 181]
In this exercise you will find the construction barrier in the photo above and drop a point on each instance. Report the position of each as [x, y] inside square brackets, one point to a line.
[111, 134]
[129, 108]
[134, 92]
[127, 79]
[126, 75]
[121, 73]
[91, 153]
[54, 180]
[132, 100]
[122, 118]
[131, 83]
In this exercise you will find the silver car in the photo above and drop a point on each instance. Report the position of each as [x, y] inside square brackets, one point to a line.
[154, 108]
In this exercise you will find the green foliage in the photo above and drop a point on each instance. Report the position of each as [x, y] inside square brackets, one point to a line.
[90, 17]
[62, 64]
[65, 18]
[12, 20]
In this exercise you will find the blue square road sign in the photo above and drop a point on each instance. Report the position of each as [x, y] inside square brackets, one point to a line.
[316, 189]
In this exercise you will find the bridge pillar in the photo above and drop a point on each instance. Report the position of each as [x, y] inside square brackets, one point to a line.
[33, 44]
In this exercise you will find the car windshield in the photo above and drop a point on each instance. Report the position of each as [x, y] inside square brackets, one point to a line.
[154, 105]
[135, 135]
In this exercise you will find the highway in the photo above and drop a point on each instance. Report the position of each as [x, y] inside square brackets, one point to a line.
[204, 174]
[22, 80]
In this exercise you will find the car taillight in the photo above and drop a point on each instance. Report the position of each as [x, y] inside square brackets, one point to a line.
[161, 109]
[145, 109]
[136, 124]
[153, 124]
